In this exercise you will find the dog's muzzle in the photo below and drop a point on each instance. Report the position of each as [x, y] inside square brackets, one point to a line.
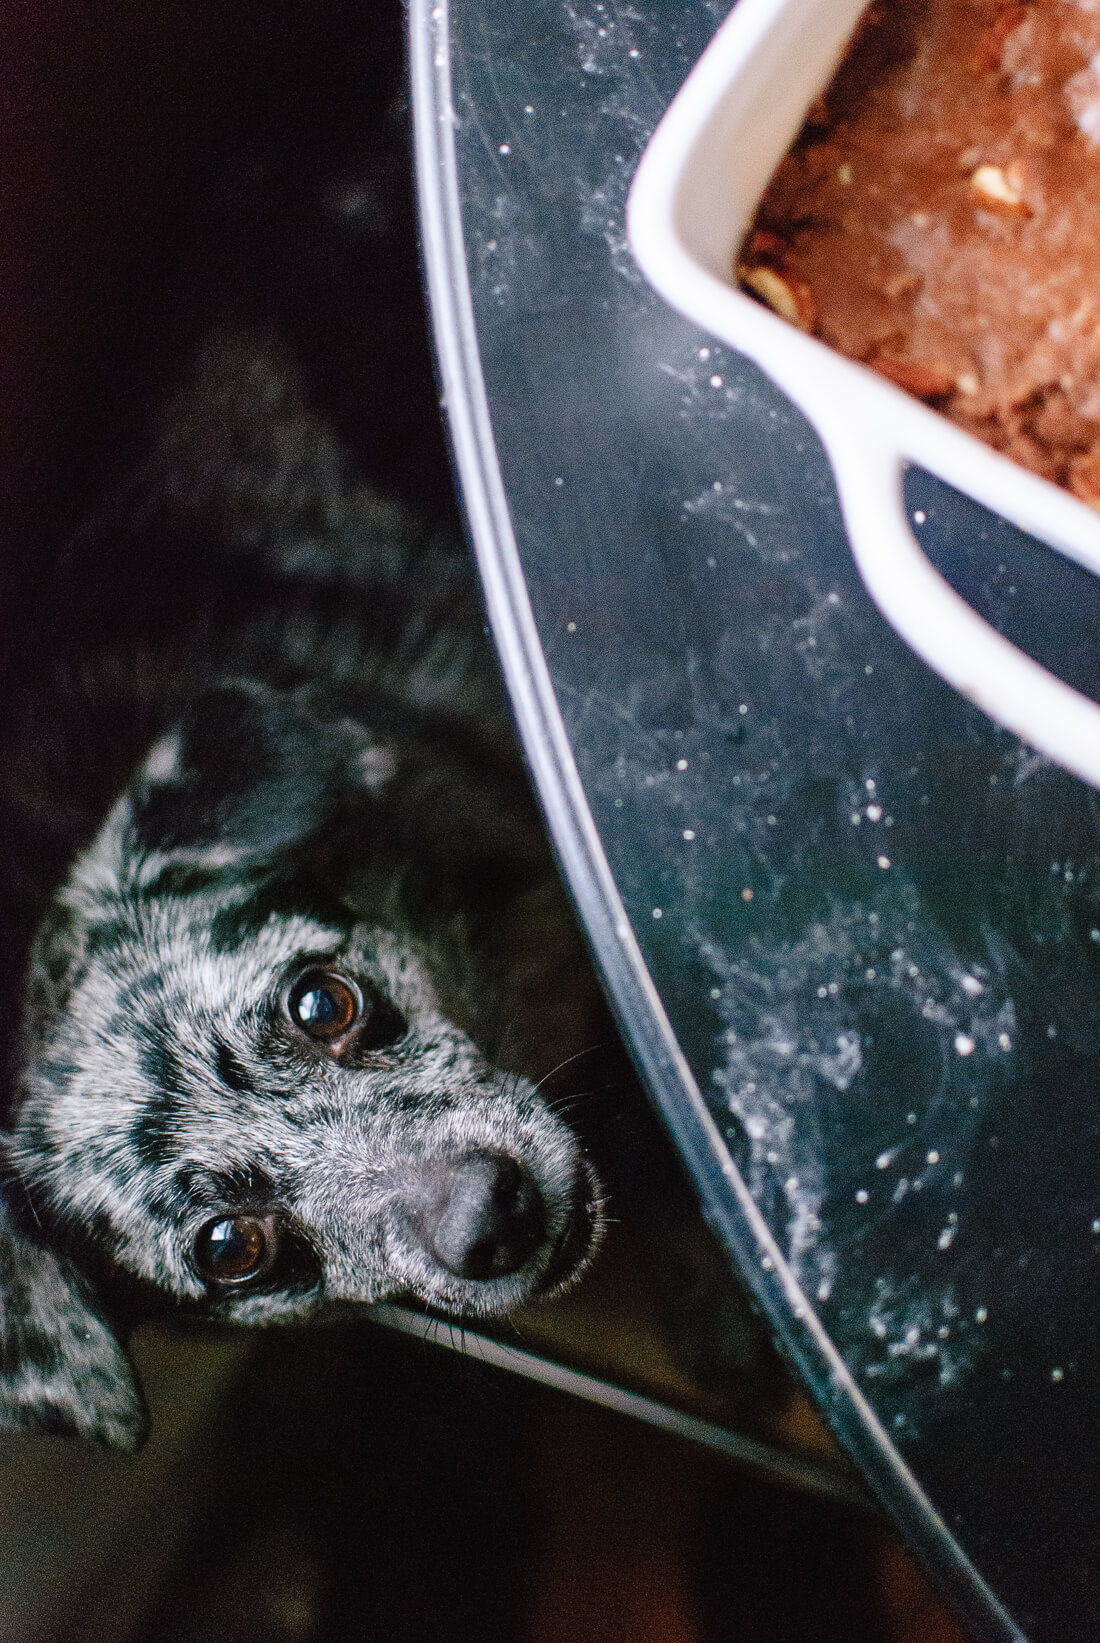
[482, 1217]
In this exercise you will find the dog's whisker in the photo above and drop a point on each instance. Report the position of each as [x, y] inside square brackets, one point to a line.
[592, 1049]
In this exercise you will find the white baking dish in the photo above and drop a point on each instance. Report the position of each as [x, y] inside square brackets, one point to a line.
[693, 199]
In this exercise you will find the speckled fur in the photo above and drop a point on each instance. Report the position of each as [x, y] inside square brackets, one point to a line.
[314, 766]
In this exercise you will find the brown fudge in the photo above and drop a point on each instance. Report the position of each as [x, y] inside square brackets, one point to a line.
[939, 218]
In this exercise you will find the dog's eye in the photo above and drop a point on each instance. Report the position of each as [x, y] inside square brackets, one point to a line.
[324, 1005]
[236, 1248]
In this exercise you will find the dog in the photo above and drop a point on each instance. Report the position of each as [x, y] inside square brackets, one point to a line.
[299, 889]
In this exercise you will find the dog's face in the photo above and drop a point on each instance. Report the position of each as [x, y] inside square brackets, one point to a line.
[253, 1102]
[256, 1108]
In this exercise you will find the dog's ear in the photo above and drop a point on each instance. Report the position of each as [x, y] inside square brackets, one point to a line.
[61, 1369]
[247, 773]
[251, 770]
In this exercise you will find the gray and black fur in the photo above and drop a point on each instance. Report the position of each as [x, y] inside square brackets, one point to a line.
[253, 730]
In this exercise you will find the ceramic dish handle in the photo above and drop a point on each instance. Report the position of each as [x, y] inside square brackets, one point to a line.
[1005, 682]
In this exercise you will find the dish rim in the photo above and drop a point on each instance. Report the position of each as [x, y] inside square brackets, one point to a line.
[692, 200]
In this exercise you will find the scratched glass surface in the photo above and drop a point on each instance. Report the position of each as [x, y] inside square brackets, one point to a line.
[873, 917]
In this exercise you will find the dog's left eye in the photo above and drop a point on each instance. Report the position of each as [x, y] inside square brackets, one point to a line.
[236, 1248]
[324, 1005]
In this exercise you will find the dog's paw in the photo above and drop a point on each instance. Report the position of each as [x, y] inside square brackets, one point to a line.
[62, 1371]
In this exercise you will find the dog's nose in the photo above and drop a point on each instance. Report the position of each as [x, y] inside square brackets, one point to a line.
[484, 1216]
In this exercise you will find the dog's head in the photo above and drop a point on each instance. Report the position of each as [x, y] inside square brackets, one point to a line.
[245, 1093]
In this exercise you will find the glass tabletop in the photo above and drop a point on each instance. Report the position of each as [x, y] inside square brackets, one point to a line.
[850, 927]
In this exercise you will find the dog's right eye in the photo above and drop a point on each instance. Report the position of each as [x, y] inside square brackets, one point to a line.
[236, 1248]
[324, 1005]
[340, 1017]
